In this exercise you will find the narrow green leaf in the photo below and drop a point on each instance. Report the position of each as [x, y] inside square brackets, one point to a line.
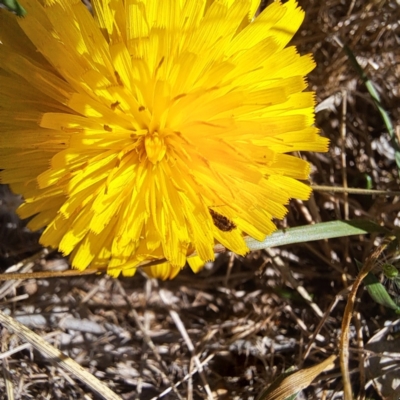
[323, 230]
[377, 100]
[368, 180]
[14, 6]
[379, 293]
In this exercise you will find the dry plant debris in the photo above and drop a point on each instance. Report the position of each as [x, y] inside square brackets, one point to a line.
[229, 331]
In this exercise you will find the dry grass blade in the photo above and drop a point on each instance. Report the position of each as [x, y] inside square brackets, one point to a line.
[148, 341]
[297, 381]
[348, 313]
[186, 378]
[8, 380]
[365, 192]
[47, 274]
[181, 327]
[58, 357]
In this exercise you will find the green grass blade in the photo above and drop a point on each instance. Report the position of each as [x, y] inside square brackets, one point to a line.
[13, 5]
[379, 293]
[377, 101]
[323, 230]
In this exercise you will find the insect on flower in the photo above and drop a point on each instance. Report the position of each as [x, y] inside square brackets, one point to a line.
[222, 222]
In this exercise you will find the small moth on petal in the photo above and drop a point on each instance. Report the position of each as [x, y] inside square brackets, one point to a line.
[221, 222]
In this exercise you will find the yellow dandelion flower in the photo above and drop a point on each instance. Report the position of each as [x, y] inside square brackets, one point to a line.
[153, 129]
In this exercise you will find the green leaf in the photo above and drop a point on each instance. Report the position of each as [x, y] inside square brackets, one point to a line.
[14, 6]
[377, 101]
[323, 230]
[379, 293]
[390, 271]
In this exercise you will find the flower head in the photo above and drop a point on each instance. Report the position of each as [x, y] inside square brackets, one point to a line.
[153, 129]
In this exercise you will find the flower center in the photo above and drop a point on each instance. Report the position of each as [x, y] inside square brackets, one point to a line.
[155, 147]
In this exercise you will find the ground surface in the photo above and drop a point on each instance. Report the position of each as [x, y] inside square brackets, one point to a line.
[247, 318]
